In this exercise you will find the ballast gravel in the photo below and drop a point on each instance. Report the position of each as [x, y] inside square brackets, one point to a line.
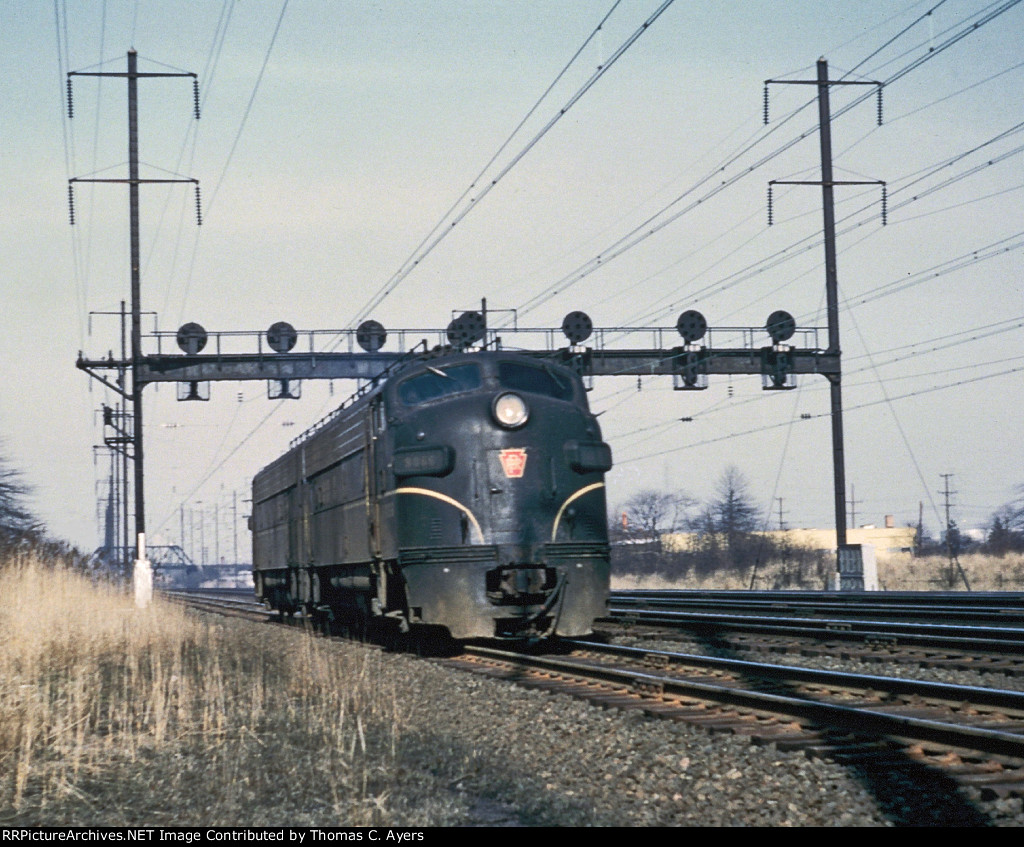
[482, 752]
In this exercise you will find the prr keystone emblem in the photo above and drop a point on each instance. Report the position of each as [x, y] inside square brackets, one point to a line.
[513, 462]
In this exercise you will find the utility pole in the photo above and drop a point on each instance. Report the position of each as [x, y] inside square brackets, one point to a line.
[853, 506]
[831, 272]
[952, 532]
[920, 527]
[832, 299]
[947, 494]
[143, 575]
[118, 437]
[124, 453]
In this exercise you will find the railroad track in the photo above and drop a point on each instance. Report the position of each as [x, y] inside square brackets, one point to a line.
[969, 734]
[974, 736]
[987, 636]
[991, 638]
[998, 608]
[866, 648]
[238, 606]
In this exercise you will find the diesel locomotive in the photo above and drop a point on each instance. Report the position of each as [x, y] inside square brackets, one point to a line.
[465, 491]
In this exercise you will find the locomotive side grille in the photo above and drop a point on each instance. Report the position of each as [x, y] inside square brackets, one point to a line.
[447, 555]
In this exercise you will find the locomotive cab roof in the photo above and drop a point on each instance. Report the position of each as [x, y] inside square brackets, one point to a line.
[436, 376]
[442, 373]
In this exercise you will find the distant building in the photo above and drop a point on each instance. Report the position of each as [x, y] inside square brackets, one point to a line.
[888, 541]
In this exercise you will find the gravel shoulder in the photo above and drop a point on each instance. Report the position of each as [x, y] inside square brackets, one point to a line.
[485, 752]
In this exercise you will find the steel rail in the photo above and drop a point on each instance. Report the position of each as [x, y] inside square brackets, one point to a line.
[980, 638]
[847, 718]
[1004, 609]
[950, 692]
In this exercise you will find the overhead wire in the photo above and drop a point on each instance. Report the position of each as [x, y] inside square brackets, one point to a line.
[655, 223]
[236, 139]
[957, 264]
[234, 146]
[501, 149]
[452, 222]
[814, 240]
[209, 474]
[852, 408]
[384, 293]
[940, 343]
[248, 107]
[638, 205]
[989, 251]
[897, 36]
[95, 142]
[890, 120]
[208, 77]
[951, 339]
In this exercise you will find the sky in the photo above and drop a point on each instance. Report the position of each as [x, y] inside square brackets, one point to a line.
[337, 137]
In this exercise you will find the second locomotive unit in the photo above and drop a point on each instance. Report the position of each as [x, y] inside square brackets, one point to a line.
[465, 491]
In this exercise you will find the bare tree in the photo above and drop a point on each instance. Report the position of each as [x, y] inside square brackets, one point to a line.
[1006, 531]
[733, 510]
[1013, 512]
[649, 513]
[726, 524]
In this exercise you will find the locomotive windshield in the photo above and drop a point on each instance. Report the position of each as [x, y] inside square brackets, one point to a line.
[439, 382]
[534, 380]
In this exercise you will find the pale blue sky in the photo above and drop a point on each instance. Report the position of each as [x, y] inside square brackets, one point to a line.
[370, 121]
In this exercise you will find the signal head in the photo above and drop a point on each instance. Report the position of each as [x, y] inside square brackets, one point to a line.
[371, 336]
[780, 326]
[191, 338]
[468, 328]
[577, 327]
[691, 326]
[281, 337]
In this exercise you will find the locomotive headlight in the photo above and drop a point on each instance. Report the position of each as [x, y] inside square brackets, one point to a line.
[510, 411]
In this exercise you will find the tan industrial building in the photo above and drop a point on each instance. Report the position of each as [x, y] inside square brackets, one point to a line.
[887, 541]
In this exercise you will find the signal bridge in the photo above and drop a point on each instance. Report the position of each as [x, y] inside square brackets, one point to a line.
[278, 357]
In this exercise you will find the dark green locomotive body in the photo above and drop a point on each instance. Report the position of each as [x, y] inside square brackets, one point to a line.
[466, 492]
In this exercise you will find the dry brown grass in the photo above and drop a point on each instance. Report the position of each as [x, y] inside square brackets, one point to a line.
[933, 573]
[118, 716]
[898, 573]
